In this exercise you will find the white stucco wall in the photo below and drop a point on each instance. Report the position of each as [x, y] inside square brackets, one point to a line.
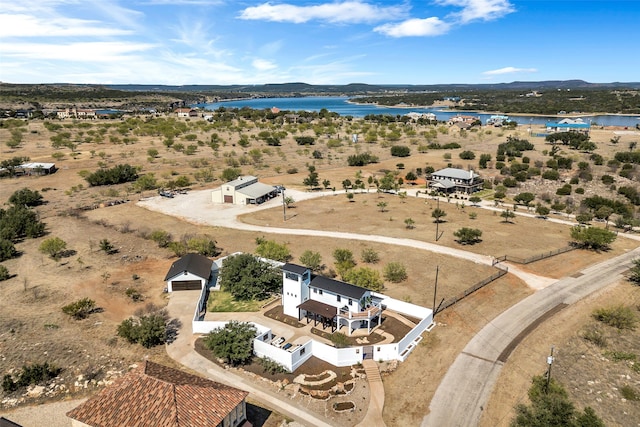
[184, 276]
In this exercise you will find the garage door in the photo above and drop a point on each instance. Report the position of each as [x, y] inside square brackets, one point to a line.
[186, 285]
[228, 199]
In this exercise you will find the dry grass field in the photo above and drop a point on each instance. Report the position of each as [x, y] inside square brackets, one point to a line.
[34, 329]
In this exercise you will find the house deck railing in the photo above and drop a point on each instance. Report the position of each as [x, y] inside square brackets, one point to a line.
[366, 314]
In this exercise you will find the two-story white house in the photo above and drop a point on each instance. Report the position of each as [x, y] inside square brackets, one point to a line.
[449, 180]
[331, 302]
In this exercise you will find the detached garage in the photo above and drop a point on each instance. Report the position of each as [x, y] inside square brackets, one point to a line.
[191, 272]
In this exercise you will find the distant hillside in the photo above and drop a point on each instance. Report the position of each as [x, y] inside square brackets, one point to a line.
[355, 88]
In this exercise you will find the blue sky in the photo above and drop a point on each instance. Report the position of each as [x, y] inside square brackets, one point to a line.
[318, 42]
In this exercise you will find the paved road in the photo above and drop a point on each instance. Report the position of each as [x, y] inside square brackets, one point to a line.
[469, 382]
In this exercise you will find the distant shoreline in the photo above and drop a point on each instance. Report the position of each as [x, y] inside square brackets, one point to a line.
[570, 115]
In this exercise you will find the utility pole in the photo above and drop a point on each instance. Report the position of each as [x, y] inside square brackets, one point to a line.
[284, 208]
[435, 292]
[437, 219]
[549, 363]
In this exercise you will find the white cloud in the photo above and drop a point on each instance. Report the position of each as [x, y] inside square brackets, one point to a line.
[23, 25]
[184, 2]
[415, 27]
[263, 64]
[473, 10]
[354, 11]
[509, 70]
[73, 52]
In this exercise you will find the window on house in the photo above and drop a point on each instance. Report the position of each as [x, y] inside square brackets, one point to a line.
[338, 298]
[350, 301]
[320, 291]
[315, 291]
[291, 276]
[302, 350]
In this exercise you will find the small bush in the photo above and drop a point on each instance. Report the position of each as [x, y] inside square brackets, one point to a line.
[400, 151]
[134, 294]
[339, 340]
[147, 331]
[618, 356]
[467, 155]
[395, 272]
[619, 317]
[80, 309]
[161, 237]
[629, 393]
[33, 374]
[4, 273]
[370, 256]
[594, 335]
[271, 367]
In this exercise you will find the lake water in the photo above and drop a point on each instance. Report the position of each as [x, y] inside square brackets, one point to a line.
[340, 105]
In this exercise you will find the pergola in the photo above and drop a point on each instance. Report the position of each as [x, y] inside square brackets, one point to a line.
[325, 313]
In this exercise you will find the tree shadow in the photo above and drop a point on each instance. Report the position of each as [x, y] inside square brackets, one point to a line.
[173, 326]
[67, 253]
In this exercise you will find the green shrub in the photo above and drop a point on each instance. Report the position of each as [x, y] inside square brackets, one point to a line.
[273, 250]
[339, 340]
[595, 335]
[619, 317]
[80, 309]
[4, 273]
[270, 366]
[400, 151]
[161, 237]
[618, 356]
[629, 393]
[370, 256]
[467, 155]
[117, 175]
[29, 375]
[395, 272]
[147, 331]
[134, 294]
[362, 159]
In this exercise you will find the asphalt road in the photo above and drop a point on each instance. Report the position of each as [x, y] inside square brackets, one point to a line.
[469, 382]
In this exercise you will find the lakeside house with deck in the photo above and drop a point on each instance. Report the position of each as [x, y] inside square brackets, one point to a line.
[334, 306]
[334, 303]
[454, 180]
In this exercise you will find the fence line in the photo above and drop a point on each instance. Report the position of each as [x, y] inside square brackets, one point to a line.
[502, 271]
[451, 301]
[534, 257]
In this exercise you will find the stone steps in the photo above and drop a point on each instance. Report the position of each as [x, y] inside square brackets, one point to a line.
[372, 371]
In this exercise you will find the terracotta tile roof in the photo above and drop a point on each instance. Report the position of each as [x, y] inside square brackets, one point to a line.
[159, 396]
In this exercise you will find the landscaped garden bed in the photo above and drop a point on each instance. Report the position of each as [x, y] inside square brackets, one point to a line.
[276, 313]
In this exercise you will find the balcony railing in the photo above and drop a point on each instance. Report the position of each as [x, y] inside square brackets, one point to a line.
[367, 313]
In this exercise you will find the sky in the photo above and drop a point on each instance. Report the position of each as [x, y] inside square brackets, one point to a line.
[179, 42]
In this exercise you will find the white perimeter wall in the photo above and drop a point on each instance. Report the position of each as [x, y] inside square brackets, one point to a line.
[337, 356]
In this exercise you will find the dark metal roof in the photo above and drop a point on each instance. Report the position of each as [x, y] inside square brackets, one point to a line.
[337, 287]
[294, 268]
[320, 308]
[193, 263]
[8, 423]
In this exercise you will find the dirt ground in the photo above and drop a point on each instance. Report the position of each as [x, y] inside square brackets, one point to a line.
[33, 328]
